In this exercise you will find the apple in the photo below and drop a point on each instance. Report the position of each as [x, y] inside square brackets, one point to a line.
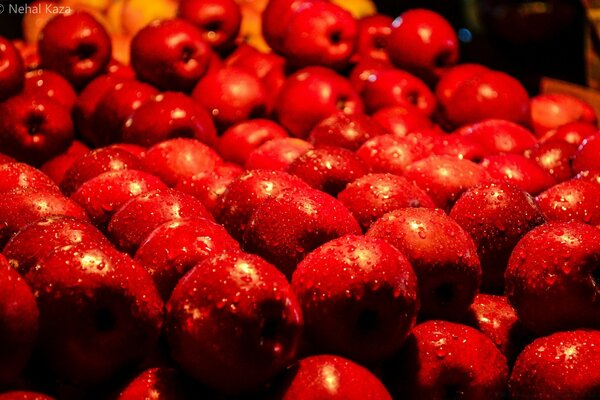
[573, 200]
[76, 46]
[552, 277]
[573, 133]
[558, 366]
[371, 196]
[556, 157]
[553, 110]
[519, 170]
[345, 131]
[330, 377]
[175, 247]
[99, 313]
[56, 167]
[373, 34]
[496, 216]
[276, 18]
[590, 176]
[444, 360]
[241, 139]
[358, 296]
[12, 72]
[33, 128]
[138, 217]
[328, 169]
[166, 116]
[218, 20]
[50, 84]
[452, 78]
[423, 42]
[390, 153]
[285, 228]
[170, 54]
[464, 147]
[277, 154]
[443, 255]
[497, 136]
[16, 176]
[160, 383]
[586, 157]
[312, 94]
[402, 120]
[19, 320]
[233, 322]
[231, 95]
[364, 68]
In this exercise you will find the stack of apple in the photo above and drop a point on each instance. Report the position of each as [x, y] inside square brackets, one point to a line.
[352, 215]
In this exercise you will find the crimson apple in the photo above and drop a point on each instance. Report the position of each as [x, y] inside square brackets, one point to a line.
[57, 166]
[586, 157]
[241, 139]
[553, 110]
[497, 136]
[390, 153]
[519, 170]
[373, 34]
[556, 157]
[277, 154]
[345, 131]
[573, 200]
[20, 176]
[402, 120]
[12, 71]
[48, 83]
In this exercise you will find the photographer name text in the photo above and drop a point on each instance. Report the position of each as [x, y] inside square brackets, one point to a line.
[46, 8]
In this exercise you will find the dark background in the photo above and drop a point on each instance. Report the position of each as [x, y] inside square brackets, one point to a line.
[528, 39]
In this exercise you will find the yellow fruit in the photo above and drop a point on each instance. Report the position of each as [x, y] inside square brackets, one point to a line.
[97, 5]
[137, 14]
[358, 8]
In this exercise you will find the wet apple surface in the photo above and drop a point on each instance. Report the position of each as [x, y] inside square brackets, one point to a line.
[288, 200]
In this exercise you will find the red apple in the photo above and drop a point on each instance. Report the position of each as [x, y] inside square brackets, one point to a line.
[56, 167]
[233, 322]
[520, 171]
[76, 46]
[160, 383]
[402, 120]
[137, 218]
[452, 78]
[19, 321]
[370, 197]
[573, 132]
[556, 157]
[241, 139]
[218, 20]
[573, 200]
[175, 247]
[496, 216]
[590, 176]
[364, 68]
[558, 367]
[12, 71]
[33, 128]
[358, 296]
[586, 157]
[176, 159]
[423, 42]
[459, 146]
[373, 34]
[285, 228]
[552, 277]
[48, 83]
[553, 110]
[391, 153]
[277, 154]
[345, 131]
[497, 136]
[276, 19]
[166, 116]
[311, 95]
[16, 176]
[170, 54]
[443, 255]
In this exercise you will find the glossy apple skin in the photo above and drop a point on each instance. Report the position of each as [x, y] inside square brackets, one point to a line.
[170, 54]
[373, 34]
[488, 95]
[39, 238]
[76, 46]
[573, 132]
[590, 176]
[241, 139]
[496, 216]
[452, 78]
[231, 95]
[114, 109]
[208, 187]
[323, 93]
[423, 42]
[277, 154]
[519, 170]
[499, 136]
[345, 131]
[175, 247]
[16, 176]
[166, 116]
[434, 364]
[328, 169]
[57, 166]
[494, 317]
[176, 159]
[24, 395]
[48, 83]
[558, 366]
[445, 178]
[162, 383]
[34, 128]
[360, 73]
[573, 200]
[317, 376]
[553, 110]
[251, 324]
[359, 297]
[442, 254]
[137, 218]
[245, 194]
[218, 20]
[394, 87]
[19, 320]
[586, 157]
[109, 312]
[390, 153]
[22, 207]
[402, 120]
[371, 196]
[552, 277]
[276, 18]
[96, 162]
[320, 33]
[556, 157]
[459, 146]
[12, 72]
[285, 228]
[104, 194]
